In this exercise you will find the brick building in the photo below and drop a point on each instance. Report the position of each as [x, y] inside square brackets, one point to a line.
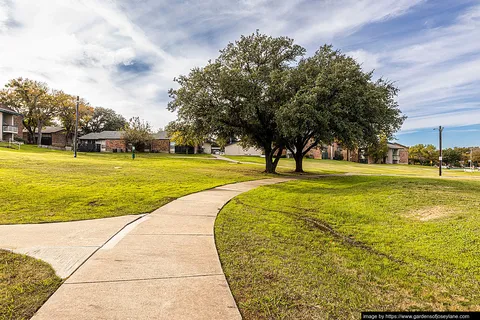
[112, 141]
[11, 125]
[396, 154]
[51, 136]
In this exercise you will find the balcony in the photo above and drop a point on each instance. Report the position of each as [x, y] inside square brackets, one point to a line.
[10, 129]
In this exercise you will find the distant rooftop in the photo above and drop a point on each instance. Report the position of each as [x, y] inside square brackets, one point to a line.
[47, 129]
[5, 109]
[394, 145]
[104, 135]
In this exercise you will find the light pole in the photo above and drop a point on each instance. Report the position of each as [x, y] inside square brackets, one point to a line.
[471, 158]
[76, 129]
[440, 159]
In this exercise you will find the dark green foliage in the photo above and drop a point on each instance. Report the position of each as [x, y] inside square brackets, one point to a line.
[255, 91]
[240, 92]
[104, 119]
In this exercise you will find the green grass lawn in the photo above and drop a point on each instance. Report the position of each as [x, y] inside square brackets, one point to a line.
[334, 166]
[41, 185]
[25, 284]
[333, 247]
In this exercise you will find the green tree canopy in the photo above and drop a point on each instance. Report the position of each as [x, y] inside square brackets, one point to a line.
[452, 156]
[66, 112]
[104, 119]
[138, 133]
[378, 149]
[423, 154]
[256, 92]
[334, 98]
[240, 92]
[31, 99]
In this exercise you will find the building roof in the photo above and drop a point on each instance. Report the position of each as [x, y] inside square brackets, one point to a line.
[117, 135]
[48, 129]
[104, 135]
[161, 135]
[394, 145]
[5, 109]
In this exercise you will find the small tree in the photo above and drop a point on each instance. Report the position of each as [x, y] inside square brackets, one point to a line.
[475, 156]
[104, 119]
[184, 134]
[66, 106]
[452, 156]
[423, 154]
[138, 133]
[378, 149]
[31, 99]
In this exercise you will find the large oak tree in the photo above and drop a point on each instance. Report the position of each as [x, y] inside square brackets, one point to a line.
[240, 93]
[332, 98]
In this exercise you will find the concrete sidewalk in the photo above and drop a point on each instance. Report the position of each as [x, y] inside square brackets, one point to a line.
[163, 266]
[64, 245]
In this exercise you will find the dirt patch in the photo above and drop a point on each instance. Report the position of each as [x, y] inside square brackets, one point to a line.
[327, 228]
[431, 213]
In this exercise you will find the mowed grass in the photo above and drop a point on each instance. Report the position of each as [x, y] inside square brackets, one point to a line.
[25, 284]
[336, 166]
[332, 247]
[40, 185]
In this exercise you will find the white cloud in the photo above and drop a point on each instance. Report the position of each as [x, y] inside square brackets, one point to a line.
[78, 45]
[452, 119]
[438, 71]
[368, 60]
[4, 15]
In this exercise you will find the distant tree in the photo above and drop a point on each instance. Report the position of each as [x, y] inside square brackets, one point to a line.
[138, 133]
[452, 156]
[423, 154]
[31, 99]
[104, 119]
[66, 106]
[239, 93]
[378, 149]
[333, 98]
[475, 156]
[184, 134]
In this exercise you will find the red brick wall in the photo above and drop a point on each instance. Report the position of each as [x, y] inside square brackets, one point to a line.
[115, 144]
[59, 139]
[403, 156]
[162, 145]
[315, 152]
[18, 122]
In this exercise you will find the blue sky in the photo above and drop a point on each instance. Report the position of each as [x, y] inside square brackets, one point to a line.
[124, 54]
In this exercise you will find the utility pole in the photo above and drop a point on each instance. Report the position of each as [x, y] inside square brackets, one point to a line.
[75, 142]
[440, 129]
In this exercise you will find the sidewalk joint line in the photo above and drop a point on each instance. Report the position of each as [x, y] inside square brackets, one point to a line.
[147, 279]
[173, 234]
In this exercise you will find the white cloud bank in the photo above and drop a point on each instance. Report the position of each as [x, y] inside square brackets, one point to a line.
[80, 45]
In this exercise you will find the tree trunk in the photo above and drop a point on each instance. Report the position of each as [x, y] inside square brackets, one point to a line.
[277, 158]
[39, 139]
[31, 135]
[268, 160]
[298, 155]
[269, 163]
[298, 163]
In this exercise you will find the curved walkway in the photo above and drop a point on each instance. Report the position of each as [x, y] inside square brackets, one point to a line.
[162, 266]
[64, 245]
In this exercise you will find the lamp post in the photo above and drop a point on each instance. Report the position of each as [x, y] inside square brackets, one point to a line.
[75, 142]
[440, 159]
